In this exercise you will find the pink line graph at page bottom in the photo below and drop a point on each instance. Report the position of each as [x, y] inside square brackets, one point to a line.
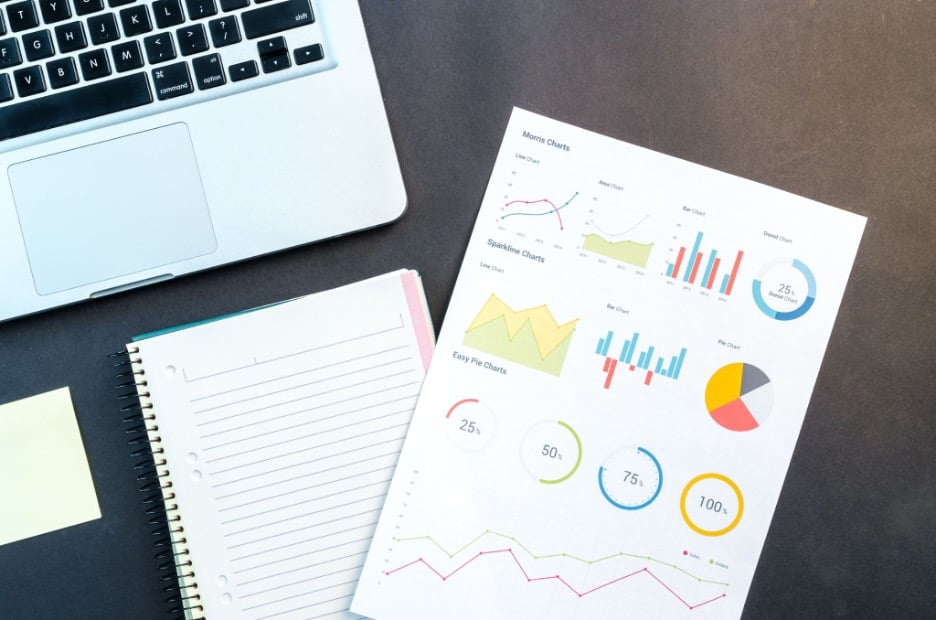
[558, 578]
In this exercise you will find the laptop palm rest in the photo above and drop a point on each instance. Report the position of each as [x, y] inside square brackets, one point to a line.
[112, 209]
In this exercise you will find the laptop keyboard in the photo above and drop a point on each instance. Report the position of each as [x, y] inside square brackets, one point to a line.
[66, 61]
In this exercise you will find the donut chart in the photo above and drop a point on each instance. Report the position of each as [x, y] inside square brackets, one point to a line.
[785, 289]
[739, 397]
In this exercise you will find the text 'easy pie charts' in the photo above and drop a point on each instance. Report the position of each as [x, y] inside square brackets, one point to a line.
[739, 397]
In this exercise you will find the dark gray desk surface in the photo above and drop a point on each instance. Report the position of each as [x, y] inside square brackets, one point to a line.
[835, 101]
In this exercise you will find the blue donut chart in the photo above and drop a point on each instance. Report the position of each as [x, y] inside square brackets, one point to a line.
[803, 308]
[659, 470]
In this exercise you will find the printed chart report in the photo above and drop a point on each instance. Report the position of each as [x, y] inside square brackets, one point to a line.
[616, 392]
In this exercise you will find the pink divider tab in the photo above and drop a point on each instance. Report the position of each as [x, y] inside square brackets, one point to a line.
[425, 337]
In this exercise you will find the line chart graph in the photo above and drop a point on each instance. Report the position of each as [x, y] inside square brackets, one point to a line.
[536, 208]
[495, 551]
[580, 593]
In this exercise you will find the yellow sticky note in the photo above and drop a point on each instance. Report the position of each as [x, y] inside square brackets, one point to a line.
[45, 481]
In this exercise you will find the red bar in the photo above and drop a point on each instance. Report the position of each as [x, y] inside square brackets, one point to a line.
[679, 257]
[649, 376]
[609, 366]
[695, 268]
[734, 272]
[711, 277]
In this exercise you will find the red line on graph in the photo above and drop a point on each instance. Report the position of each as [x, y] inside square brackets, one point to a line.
[695, 267]
[679, 257]
[533, 202]
[711, 278]
[648, 377]
[609, 366]
[559, 578]
[461, 402]
[734, 272]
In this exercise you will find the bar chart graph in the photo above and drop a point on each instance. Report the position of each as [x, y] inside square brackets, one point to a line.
[647, 361]
[688, 267]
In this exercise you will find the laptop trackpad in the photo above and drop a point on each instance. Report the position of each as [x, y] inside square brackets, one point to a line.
[112, 209]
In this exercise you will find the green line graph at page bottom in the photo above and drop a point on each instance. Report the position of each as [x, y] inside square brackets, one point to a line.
[495, 555]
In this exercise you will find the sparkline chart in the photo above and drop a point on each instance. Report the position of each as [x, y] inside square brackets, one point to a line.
[645, 362]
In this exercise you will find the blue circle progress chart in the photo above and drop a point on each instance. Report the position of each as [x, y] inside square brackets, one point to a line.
[631, 478]
[785, 289]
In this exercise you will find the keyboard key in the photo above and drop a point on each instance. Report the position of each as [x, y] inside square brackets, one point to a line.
[309, 53]
[159, 47]
[168, 13]
[54, 11]
[94, 64]
[6, 89]
[224, 31]
[38, 45]
[62, 72]
[172, 81]
[2, 24]
[209, 72]
[198, 9]
[9, 53]
[84, 7]
[243, 70]
[77, 104]
[70, 37]
[116, 3]
[22, 16]
[192, 39]
[271, 47]
[127, 56]
[136, 20]
[275, 63]
[230, 5]
[103, 29]
[278, 17]
[29, 81]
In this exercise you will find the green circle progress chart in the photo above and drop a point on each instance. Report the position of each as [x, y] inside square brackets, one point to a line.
[785, 289]
[631, 478]
[739, 396]
[552, 451]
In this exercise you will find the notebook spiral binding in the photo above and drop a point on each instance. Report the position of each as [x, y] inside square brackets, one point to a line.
[174, 563]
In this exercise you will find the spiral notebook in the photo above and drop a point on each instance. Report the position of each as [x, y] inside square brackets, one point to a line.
[274, 434]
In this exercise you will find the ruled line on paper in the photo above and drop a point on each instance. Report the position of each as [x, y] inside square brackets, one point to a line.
[301, 411]
[300, 373]
[294, 354]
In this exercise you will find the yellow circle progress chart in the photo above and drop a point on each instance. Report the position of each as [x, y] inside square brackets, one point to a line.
[711, 504]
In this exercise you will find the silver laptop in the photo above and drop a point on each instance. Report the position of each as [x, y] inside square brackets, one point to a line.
[143, 140]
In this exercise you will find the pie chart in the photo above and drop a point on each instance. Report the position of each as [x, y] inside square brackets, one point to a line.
[739, 397]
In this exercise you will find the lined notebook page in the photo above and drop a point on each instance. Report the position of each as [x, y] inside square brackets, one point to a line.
[281, 428]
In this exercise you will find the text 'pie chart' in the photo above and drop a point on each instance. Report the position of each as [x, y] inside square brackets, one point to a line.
[739, 396]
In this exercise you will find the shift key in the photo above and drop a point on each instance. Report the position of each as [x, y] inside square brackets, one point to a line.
[278, 17]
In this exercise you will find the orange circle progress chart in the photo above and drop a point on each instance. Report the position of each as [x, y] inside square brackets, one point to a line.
[739, 396]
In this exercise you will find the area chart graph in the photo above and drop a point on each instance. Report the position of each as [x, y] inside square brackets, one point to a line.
[626, 251]
[531, 337]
